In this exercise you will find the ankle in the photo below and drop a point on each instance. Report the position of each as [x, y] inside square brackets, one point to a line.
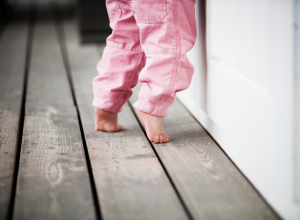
[103, 115]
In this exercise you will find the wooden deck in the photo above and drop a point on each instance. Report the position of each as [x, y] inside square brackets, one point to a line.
[54, 165]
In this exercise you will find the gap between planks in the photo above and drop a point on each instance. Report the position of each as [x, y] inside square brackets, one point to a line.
[52, 152]
[32, 14]
[57, 7]
[203, 163]
[15, 47]
[209, 183]
[130, 181]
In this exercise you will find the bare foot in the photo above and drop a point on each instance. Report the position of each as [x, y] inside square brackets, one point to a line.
[154, 127]
[107, 121]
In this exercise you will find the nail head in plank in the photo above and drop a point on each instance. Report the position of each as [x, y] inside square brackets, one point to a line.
[208, 182]
[12, 72]
[53, 181]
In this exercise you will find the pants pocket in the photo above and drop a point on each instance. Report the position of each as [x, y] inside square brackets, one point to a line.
[113, 10]
[149, 11]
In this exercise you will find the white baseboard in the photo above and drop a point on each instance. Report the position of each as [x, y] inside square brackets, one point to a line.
[285, 207]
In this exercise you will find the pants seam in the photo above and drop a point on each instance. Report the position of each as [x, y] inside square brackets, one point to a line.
[185, 67]
[119, 47]
[161, 51]
[138, 69]
[187, 40]
[165, 98]
[177, 55]
[120, 95]
[119, 12]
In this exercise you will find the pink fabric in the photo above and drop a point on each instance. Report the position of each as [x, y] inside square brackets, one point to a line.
[150, 37]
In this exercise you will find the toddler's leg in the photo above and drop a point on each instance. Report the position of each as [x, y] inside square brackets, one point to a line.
[118, 69]
[167, 32]
[107, 121]
[154, 127]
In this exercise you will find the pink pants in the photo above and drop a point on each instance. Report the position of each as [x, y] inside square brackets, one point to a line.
[151, 37]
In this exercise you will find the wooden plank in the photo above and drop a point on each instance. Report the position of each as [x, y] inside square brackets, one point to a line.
[12, 72]
[130, 182]
[48, 82]
[209, 183]
[53, 181]
[83, 62]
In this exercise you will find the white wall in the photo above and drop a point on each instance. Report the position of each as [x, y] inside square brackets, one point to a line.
[276, 181]
[297, 100]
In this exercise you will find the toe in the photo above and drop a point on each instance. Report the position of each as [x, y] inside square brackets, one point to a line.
[120, 127]
[161, 139]
[165, 139]
[156, 139]
[151, 139]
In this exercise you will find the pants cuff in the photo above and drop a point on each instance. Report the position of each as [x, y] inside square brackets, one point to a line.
[152, 106]
[110, 102]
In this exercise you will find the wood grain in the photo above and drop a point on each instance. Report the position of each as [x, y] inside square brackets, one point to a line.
[83, 61]
[12, 72]
[130, 181]
[53, 181]
[48, 82]
[209, 183]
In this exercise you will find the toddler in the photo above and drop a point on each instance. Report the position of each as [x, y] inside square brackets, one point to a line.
[150, 37]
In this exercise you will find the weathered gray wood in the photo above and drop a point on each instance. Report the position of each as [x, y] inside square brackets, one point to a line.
[53, 181]
[48, 82]
[83, 62]
[210, 185]
[130, 182]
[12, 71]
